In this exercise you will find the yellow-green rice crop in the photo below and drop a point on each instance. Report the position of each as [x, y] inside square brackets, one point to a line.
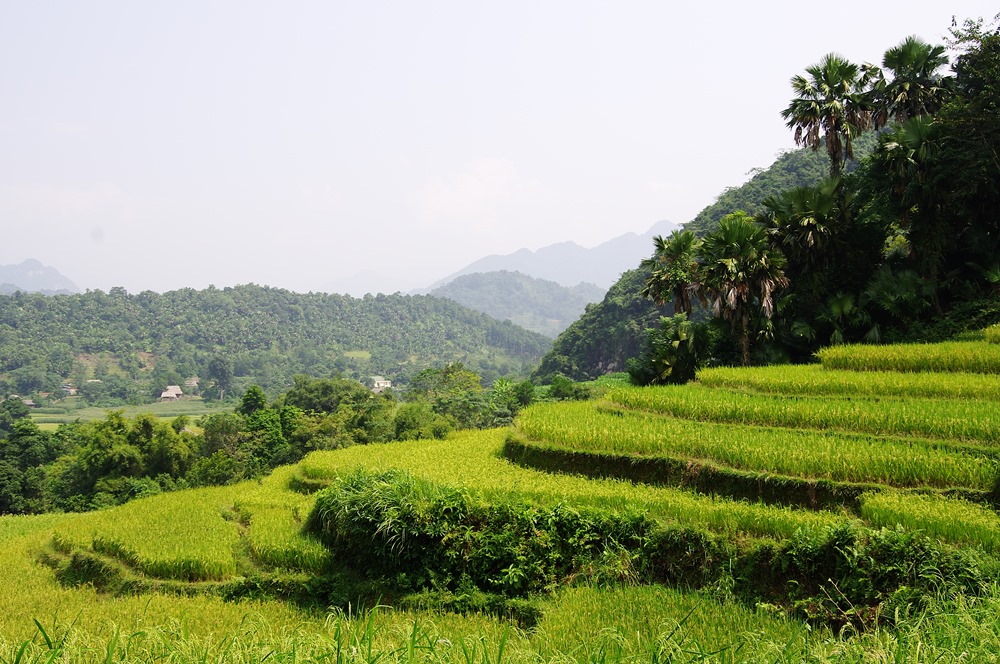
[967, 420]
[180, 535]
[660, 624]
[274, 533]
[470, 459]
[992, 334]
[962, 356]
[813, 379]
[948, 519]
[798, 453]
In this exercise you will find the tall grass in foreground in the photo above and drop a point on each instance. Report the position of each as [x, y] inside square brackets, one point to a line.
[809, 454]
[967, 420]
[961, 356]
[815, 380]
[582, 624]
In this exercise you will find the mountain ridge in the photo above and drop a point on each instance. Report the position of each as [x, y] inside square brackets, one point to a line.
[31, 276]
[535, 304]
[568, 263]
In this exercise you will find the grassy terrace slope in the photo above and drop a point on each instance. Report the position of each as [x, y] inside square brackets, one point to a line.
[754, 489]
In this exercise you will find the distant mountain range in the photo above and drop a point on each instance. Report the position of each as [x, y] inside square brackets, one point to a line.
[568, 263]
[535, 304]
[31, 276]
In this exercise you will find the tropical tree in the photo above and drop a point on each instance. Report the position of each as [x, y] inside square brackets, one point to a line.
[804, 221]
[740, 274]
[674, 353]
[673, 270]
[831, 107]
[917, 88]
[906, 156]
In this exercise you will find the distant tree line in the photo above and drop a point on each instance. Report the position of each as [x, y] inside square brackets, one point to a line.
[90, 465]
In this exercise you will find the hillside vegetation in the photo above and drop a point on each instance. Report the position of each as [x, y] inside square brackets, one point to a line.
[137, 344]
[534, 304]
[607, 334]
[736, 516]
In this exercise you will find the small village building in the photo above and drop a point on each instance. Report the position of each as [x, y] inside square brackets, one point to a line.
[172, 393]
[380, 384]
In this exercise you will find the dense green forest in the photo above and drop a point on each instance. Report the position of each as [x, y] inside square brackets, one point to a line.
[137, 344]
[897, 241]
[534, 304]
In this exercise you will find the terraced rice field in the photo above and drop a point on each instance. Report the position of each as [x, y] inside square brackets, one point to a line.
[888, 449]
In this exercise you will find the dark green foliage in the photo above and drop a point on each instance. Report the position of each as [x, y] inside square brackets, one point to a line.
[534, 304]
[325, 395]
[675, 351]
[427, 536]
[455, 393]
[252, 401]
[565, 389]
[416, 420]
[853, 576]
[795, 168]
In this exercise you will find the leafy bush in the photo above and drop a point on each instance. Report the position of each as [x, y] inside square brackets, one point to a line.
[675, 351]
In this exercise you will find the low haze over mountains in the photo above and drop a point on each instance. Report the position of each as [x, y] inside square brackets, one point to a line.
[569, 264]
[535, 304]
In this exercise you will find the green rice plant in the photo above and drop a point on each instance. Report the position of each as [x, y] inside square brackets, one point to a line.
[660, 624]
[471, 459]
[992, 334]
[171, 536]
[962, 356]
[815, 380]
[948, 519]
[798, 453]
[275, 536]
[965, 420]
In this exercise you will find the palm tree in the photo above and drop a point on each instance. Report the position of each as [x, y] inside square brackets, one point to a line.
[740, 273]
[673, 270]
[916, 87]
[804, 222]
[830, 106]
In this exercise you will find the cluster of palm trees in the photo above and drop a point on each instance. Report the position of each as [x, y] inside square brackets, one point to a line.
[803, 235]
[837, 100]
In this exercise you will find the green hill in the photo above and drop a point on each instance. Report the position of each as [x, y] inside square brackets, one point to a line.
[266, 334]
[534, 304]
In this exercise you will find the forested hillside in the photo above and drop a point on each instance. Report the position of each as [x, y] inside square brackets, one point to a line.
[583, 351]
[606, 335]
[795, 168]
[535, 304]
[251, 334]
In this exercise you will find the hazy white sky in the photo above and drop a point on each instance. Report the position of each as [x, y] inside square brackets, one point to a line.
[295, 144]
